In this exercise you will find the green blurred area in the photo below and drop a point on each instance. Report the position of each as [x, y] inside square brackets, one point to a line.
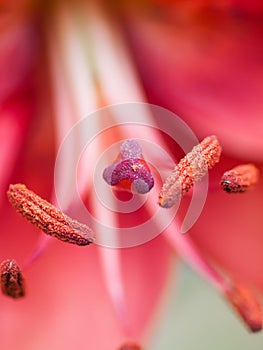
[198, 318]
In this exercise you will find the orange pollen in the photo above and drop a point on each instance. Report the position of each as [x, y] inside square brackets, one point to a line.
[191, 169]
[12, 280]
[247, 306]
[130, 346]
[240, 179]
[47, 217]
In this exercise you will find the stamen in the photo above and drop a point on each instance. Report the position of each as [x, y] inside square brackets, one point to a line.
[247, 306]
[240, 179]
[131, 171]
[191, 169]
[130, 346]
[12, 280]
[47, 217]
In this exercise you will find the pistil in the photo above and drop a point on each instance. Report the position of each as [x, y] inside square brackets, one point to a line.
[130, 170]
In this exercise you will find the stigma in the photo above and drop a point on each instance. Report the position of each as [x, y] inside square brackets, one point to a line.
[191, 169]
[240, 179]
[130, 172]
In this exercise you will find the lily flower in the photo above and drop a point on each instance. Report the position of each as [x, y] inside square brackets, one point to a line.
[65, 69]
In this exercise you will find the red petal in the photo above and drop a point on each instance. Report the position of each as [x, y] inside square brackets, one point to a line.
[229, 231]
[209, 71]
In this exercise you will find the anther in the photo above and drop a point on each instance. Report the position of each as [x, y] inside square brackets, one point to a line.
[130, 346]
[247, 306]
[191, 169]
[47, 217]
[12, 280]
[240, 179]
[130, 171]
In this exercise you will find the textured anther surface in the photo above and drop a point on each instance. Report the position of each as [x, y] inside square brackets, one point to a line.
[47, 217]
[192, 168]
[12, 280]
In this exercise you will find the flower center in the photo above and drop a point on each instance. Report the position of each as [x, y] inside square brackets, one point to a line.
[130, 171]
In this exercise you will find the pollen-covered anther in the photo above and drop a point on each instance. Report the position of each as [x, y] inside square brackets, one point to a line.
[246, 305]
[191, 169]
[12, 280]
[130, 346]
[47, 217]
[130, 171]
[240, 179]
[211, 150]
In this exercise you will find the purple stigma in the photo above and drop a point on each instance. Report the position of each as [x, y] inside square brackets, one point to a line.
[134, 171]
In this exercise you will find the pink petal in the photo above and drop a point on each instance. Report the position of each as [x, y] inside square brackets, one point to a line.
[229, 232]
[19, 37]
[146, 273]
[15, 116]
[208, 69]
[66, 305]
